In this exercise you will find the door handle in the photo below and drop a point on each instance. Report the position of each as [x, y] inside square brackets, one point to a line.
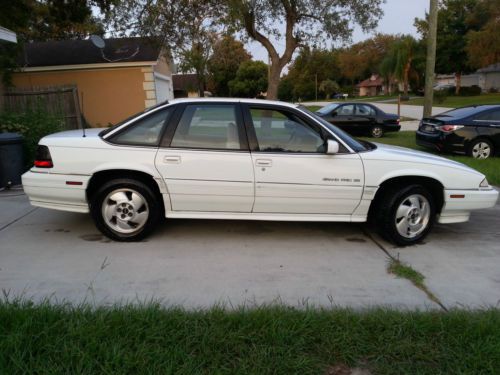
[263, 162]
[172, 159]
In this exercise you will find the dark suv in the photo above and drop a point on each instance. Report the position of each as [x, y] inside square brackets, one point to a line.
[473, 130]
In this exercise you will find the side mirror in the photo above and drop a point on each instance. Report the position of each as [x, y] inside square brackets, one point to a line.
[334, 113]
[332, 147]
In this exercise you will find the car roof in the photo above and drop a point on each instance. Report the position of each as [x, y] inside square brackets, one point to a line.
[468, 111]
[232, 100]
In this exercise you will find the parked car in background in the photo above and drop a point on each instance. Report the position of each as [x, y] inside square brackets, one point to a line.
[444, 87]
[360, 118]
[247, 159]
[473, 130]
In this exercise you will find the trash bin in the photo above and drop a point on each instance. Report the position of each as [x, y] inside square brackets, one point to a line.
[11, 159]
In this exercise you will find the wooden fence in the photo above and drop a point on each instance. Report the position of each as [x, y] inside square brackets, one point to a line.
[60, 101]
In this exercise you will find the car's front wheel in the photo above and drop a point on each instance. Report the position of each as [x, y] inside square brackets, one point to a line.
[377, 131]
[406, 215]
[125, 210]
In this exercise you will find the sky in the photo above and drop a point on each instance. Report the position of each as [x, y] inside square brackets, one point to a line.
[397, 19]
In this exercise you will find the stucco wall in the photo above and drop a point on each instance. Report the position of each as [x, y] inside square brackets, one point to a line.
[109, 95]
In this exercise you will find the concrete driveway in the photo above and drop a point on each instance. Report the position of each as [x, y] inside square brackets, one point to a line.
[410, 111]
[196, 263]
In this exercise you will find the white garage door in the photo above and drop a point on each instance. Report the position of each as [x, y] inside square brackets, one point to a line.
[163, 86]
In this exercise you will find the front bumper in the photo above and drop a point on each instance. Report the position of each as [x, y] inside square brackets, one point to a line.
[51, 190]
[459, 203]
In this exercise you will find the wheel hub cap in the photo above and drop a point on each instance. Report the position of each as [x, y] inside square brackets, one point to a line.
[481, 150]
[413, 216]
[125, 210]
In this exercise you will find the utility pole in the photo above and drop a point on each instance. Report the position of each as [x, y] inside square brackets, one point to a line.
[431, 58]
[316, 86]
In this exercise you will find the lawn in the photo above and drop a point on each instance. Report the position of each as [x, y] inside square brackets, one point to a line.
[489, 167]
[461, 101]
[55, 339]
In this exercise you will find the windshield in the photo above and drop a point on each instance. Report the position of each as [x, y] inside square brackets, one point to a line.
[327, 108]
[351, 142]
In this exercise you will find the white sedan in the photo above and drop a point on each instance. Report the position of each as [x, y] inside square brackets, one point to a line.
[247, 159]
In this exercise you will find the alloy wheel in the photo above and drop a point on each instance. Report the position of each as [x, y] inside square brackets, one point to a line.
[481, 150]
[413, 216]
[125, 211]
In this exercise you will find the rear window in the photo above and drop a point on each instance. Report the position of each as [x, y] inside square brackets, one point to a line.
[461, 112]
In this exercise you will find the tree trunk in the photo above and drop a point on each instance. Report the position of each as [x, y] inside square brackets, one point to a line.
[458, 82]
[274, 81]
[406, 78]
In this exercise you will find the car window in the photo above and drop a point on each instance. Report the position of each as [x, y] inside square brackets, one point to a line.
[364, 110]
[282, 131]
[208, 126]
[145, 131]
[489, 116]
[327, 109]
[346, 110]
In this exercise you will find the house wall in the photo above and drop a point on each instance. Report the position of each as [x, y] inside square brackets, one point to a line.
[491, 80]
[109, 95]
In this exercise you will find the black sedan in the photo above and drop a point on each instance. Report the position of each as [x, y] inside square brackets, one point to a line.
[473, 130]
[360, 118]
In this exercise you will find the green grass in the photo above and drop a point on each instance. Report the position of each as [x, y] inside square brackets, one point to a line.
[461, 101]
[489, 167]
[405, 271]
[48, 339]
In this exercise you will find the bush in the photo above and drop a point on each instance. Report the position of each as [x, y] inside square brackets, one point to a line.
[32, 125]
[470, 91]
[440, 96]
[493, 90]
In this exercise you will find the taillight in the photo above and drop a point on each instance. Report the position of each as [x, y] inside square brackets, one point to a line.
[43, 158]
[450, 128]
[398, 120]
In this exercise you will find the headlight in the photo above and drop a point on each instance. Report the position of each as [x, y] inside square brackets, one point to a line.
[484, 183]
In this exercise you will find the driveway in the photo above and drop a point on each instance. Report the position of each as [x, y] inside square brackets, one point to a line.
[411, 111]
[196, 263]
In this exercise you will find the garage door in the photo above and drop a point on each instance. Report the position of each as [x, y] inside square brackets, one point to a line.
[163, 86]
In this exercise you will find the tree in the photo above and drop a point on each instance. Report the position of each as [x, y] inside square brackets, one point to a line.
[186, 29]
[329, 87]
[250, 80]
[364, 58]
[227, 56]
[401, 61]
[311, 66]
[452, 29]
[483, 40]
[305, 22]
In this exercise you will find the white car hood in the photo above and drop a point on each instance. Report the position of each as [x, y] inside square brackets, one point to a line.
[402, 154]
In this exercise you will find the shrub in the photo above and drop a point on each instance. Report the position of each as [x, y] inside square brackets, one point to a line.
[32, 125]
[440, 96]
[493, 90]
[470, 91]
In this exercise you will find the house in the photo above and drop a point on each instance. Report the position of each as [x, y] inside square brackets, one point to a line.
[489, 77]
[372, 86]
[123, 78]
[185, 85]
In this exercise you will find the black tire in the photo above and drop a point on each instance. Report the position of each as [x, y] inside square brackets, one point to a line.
[152, 208]
[387, 207]
[476, 143]
[377, 131]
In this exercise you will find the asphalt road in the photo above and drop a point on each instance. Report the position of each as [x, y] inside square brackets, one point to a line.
[196, 263]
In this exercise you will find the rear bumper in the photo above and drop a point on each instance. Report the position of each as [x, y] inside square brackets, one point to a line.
[457, 209]
[52, 191]
[440, 141]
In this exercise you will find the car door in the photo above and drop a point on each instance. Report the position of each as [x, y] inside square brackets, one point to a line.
[488, 124]
[205, 161]
[292, 172]
[344, 117]
[365, 117]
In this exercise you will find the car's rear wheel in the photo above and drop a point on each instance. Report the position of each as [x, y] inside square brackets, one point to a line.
[481, 149]
[406, 215]
[125, 210]
[377, 131]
